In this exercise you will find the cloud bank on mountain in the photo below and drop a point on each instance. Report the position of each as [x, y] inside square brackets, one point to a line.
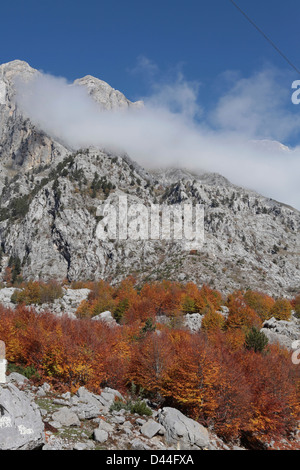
[238, 138]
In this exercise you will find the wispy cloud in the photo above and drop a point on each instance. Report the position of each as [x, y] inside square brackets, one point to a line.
[144, 66]
[174, 129]
[259, 107]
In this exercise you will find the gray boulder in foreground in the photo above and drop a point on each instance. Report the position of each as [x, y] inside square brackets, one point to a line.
[182, 431]
[21, 426]
[66, 417]
[151, 428]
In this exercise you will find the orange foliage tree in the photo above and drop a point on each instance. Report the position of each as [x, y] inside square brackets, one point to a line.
[213, 321]
[261, 303]
[99, 300]
[281, 310]
[210, 375]
[149, 360]
[200, 300]
[274, 400]
[240, 314]
[201, 380]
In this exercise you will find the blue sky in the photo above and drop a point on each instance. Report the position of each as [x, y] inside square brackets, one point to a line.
[105, 38]
[201, 57]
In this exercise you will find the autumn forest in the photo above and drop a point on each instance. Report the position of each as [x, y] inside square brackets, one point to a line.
[226, 375]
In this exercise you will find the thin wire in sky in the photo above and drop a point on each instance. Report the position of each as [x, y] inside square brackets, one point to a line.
[266, 37]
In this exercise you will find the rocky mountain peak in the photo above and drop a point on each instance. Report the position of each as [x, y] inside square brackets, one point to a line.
[104, 94]
[22, 145]
[16, 67]
[9, 72]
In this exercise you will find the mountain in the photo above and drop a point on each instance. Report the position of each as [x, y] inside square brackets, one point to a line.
[50, 195]
[104, 94]
[22, 146]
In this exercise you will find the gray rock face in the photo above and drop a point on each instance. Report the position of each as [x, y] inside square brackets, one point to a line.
[277, 338]
[282, 332]
[55, 236]
[183, 431]
[86, 405]
[67, 304]
[5, 296]
[22, 145]
[21, 426]
[104, 94]
[193, 321]
[288, 328]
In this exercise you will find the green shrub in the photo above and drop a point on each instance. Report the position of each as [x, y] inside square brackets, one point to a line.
[140, 407]
[29, 372]
[134, 406]
[256, 340]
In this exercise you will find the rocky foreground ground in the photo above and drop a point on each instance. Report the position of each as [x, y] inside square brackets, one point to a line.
[37, 418]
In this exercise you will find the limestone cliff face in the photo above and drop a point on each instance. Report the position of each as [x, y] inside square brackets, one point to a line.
[49, 214]
[22, 146]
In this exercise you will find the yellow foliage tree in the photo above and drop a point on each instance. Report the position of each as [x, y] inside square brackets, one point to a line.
[281, 310]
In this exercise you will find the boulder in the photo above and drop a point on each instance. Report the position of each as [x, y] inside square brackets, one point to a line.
[182, 431]
[151, 428]
[43, 390]
[193, 321]
[287, 328]
[107, 318]
[100, 435]
[19, 379]
[88, 405]
[138, 444]
[118, 419]
[66, 417]
[5, 296]
[109, 395]
[85, 404]
[21, 425]
[282, 332]
[105, 426]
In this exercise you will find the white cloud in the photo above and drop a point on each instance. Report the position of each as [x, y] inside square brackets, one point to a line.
[145, 66]
[258, 107]
[172, 129]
